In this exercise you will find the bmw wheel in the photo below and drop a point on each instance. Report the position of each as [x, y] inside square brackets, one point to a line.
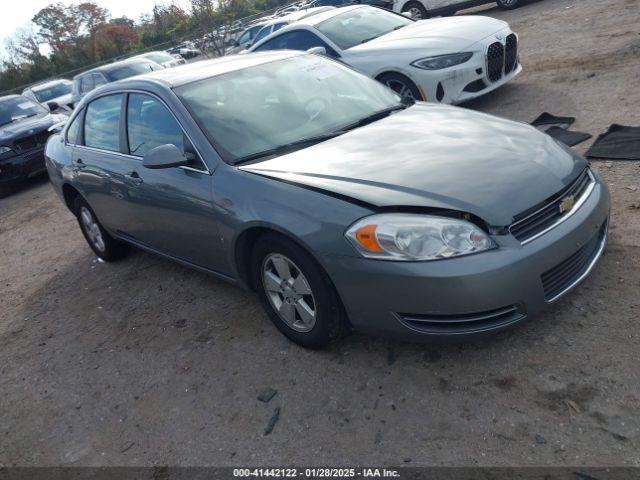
[402, 85]
[416, 9]
[508, 4]
[103, 245]
[296, 293]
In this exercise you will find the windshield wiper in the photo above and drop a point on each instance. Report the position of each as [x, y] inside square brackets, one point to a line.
[287, 147]
[21, 117]
[376, 36]
[374, 117]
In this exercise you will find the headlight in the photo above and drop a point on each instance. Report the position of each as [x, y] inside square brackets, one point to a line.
[4, 150]
[442, 61]
[409, 237]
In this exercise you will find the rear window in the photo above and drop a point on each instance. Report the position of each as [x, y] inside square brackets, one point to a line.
[131, 69]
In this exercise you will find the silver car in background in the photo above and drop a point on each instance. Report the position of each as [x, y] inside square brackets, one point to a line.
[53, 94]
[341, 206]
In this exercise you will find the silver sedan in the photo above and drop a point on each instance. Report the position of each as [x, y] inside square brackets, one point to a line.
[340, 205]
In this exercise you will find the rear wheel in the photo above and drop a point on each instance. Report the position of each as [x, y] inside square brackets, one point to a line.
[103, 245]
[296, 293]
[508, 4]
[416, 9]
[402, 85]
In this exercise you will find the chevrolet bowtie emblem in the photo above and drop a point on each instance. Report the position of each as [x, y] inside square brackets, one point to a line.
[567, 203]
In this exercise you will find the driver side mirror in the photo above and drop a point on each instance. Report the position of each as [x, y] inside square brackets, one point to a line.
[52, 106]
[317, 50]
[166, 156]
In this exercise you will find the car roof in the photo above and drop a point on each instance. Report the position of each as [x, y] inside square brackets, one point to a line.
[45, 83]
[334, 12]
[181, 75]
[299, 15]
[143, 55]
[8, 97]
[113, 66]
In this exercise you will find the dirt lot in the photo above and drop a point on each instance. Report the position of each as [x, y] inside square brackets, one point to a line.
[144, 362]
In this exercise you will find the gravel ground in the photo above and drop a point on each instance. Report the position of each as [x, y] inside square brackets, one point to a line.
[144, 362]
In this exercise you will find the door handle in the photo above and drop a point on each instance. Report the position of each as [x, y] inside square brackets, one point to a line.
[133, 177]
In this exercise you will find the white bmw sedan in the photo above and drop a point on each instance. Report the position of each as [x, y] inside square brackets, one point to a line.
[448, 60]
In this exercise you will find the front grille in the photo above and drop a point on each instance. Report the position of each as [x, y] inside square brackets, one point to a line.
[511, 53]
[463, 323]
[28, 143]
[563, 276]
[532, 222]
[495, 61]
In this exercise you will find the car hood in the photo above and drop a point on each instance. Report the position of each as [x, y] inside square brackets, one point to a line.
[25, 127]
[435, 156]
[448, 35]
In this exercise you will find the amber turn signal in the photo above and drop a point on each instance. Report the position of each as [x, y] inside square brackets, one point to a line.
[366, 236]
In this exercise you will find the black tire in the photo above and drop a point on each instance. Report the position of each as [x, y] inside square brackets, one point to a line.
[112, 249]
[508, 4]
[330, 318]
[6, 190]
[418, 10]
[401, 84]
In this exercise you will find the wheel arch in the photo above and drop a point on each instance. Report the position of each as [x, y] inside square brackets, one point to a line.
[69, 194]
[243, 247]
[247, 238]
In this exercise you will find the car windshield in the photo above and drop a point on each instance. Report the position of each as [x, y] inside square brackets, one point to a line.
[131, 69]
[52, 90]
[15, 108]
[361, 25]
[159, 57]
[253, 111]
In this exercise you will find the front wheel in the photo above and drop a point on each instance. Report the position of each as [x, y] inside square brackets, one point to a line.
[296, 293]
[402, 85]
[416, 9]
[508, 4]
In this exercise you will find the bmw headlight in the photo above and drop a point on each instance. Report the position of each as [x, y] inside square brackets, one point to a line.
[442, 61]
[409, 237]
[4, 149]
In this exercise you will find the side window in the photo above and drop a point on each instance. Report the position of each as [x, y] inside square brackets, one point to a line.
[98, 80]
[278, 26]
[86, 84]
[102, 123]
[296, 40]
[149, 124]
[73, 132]
[262, 33]
[245, 37]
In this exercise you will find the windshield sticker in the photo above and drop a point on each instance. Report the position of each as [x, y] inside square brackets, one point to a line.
[25, 105]
[321, 70]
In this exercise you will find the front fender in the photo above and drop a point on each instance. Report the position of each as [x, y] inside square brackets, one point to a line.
[314, 219]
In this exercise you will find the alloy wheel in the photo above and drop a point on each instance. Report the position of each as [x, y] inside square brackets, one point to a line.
[401, 89]
[91, 228]
[289, 292]
[416, 13]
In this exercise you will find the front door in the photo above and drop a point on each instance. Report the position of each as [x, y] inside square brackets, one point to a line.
[171, 208]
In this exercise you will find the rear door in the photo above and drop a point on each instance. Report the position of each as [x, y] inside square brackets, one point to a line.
[100, 164]
[171, 207]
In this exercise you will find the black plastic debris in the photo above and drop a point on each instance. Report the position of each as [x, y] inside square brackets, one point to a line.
[617, 143]
[267, 394]
[272, 421]
[546, 119]
[568, 137]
